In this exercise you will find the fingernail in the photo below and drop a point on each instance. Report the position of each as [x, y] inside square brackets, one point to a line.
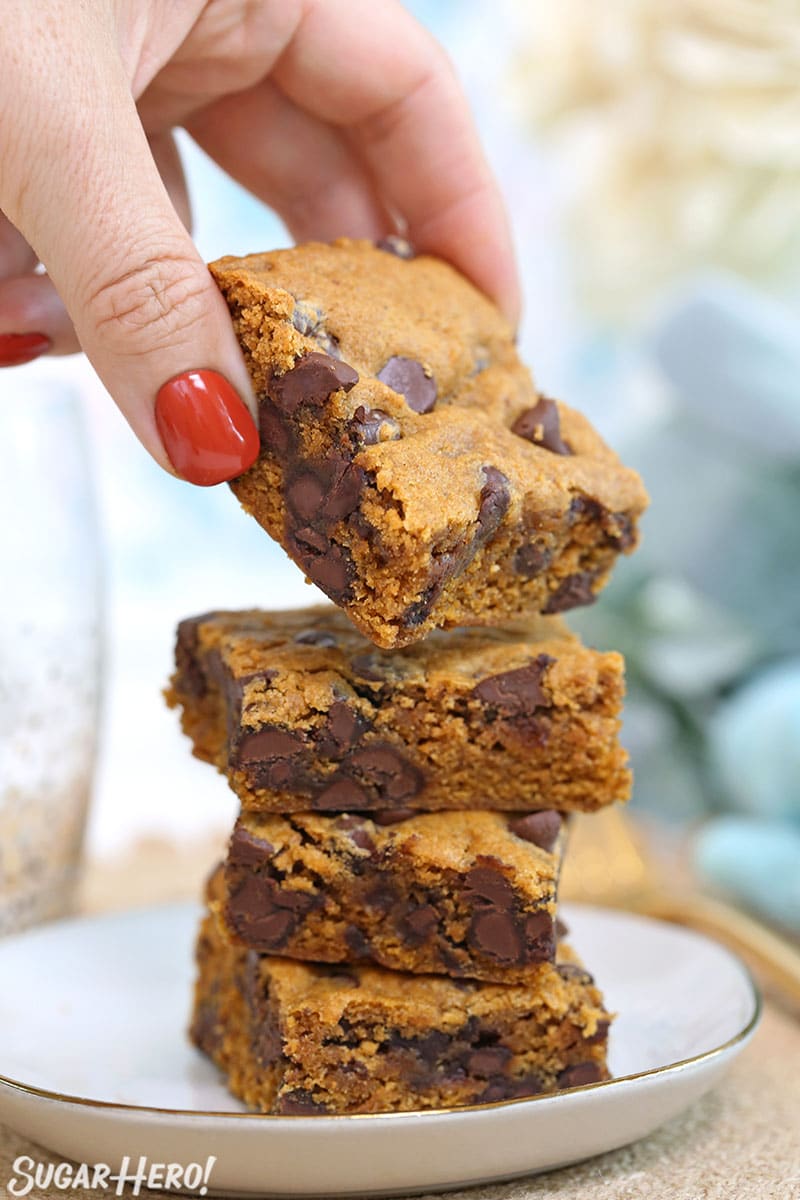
[19, 348]
[206, 427]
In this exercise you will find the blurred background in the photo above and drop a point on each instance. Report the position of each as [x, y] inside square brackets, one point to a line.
[650, 159]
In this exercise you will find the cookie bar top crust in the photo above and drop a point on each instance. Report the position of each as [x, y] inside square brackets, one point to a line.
[408, 464]
[296, 1038]
[456, 893]
[300, 712]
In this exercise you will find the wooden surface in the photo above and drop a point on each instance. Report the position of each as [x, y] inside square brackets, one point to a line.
[741, 1142]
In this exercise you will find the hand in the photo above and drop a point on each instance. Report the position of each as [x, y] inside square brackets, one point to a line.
[340, 114]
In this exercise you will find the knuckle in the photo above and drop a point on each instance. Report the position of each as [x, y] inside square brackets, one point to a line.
[150, 305]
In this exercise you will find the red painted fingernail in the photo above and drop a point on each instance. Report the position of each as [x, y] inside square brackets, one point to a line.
[206, 427]
[19, 348]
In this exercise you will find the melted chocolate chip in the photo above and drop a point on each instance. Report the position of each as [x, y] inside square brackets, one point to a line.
[540, 937]
[579, 1075]
[315, 637]
[488, 883]
[531, 559]
[541, 425]
[409, 378]
[340, 795]
[273, 431]
[324, 562]
[495, 933]
[493, 504]
[541, 828]
[311, 380]
[299, 1103]
[247, 849]
[264, 915]
[356, 942]
[417, 923]
[511, 1089]
[373, 425]
[488, 1060]
[570, 970]
[267, 744]
[343, 725]
[386, 770]
[572, 592]
[516, 693]
[396, 245]
[191, 676]
[393, 816]
[600, 1034]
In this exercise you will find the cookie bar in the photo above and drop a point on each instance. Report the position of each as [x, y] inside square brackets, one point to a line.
[297, 1038]
[459, 893]
[408, 464]
[301, 712]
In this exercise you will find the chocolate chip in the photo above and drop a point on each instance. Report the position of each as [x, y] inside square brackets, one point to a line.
[430, 1047]
[600, 1034]
[540, 940]
[393, 816]
[357, 944]
[571, 593]
[344, 725]
[247, 849]
[511, 1089]
[325, 492]
[570, 970]
[304, 494]
[367, 666]
[495, 933]
[373, 425]
[410, 379]
[274, 434]
[265, 744]
[515, 693]
[399, 246]
[417, 923]
[263, 914]
[493, 503]
[380, 895]
[357, 832]
[324, 562]
[315, 637]
[488, 883]
[306, 318]
[341, 795]
[621, 531]
[299, 1103]
[531, 559]
[311, 380]
[385, 769]
[191, 676]
[541, 828]
[579, 1075]
[488, 1060]
[541, 425]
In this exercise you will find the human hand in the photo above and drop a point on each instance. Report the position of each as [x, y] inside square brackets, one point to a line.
[341, 114]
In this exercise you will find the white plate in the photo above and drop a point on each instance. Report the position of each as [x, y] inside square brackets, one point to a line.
[94, 1064]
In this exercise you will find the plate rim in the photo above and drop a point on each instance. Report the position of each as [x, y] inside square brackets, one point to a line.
[743, 1035]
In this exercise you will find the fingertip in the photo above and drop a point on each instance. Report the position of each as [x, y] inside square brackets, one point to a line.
[205, 427]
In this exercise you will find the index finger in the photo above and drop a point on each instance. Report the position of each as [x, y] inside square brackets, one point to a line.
[370, 67]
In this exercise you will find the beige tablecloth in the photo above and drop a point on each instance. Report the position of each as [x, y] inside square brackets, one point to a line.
[741, 1142]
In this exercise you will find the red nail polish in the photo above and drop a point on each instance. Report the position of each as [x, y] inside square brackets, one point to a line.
[19, 348]
[206, 427]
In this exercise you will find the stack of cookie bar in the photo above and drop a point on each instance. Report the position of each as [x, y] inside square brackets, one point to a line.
[383, 933]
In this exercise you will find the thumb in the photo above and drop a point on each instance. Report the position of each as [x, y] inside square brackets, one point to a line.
[142, 301]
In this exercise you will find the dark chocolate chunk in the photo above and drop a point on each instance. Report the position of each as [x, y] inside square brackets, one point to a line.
[409, 378]
[373, 425]
[324, 562]
[493, 504]
[429, 1047]
[515, 693]
[600, 1034]
[343, 725]
[273, 431]
[570, 970]
[325, 492]
[384, 768]
[263, 914]
[311, 380]
[531, 559]
[495, 933]
[315, 637]
[541, 828]
[488, 1060]
[393, 816]
[571, 593]
[399, 246]
[541, 425]
[490, 884]
[247, 849]
[417, 923]
[579, 1075]
[540, 938]
[341, 795]
[299, 1103]
[266, 744]
[504, 1088]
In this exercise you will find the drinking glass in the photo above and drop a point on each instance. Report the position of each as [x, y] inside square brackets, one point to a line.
[50, 647]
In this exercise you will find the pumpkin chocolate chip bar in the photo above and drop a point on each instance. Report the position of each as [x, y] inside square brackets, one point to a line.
[408, 463]
[300, 712]
[304, 1039]
[457, 893]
